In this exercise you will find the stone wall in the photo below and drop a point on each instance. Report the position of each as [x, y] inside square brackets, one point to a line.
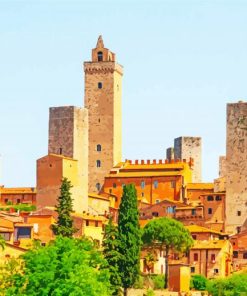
[222, 166]
[190, 147]
[236, 166]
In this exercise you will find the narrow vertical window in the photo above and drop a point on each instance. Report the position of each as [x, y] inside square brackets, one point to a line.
[98, 186]
[100, 56]
[100, 85]
[60, 151]
[98, 147]
[156, 184]
[142, 184]
[98, 163]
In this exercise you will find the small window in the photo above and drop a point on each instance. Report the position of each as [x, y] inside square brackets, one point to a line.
[98, 163]
[142, 184]
[195, 257]
[238, 213]
[216, 270]
[100, 85]
[110, 191]
[245, 255]
[210, 198]
[60, 151]
[87, 222]
[142, 194]
[98, 186]
[114, 185]
[173, 184]
[210, 211]
[193, 212]
[96, 223]
[100, 56]
[238, 229]
[6, 200]
[155, 214]
[157, 201]
[98, 147]
[194, 236]
[18, 200]
[156, 184]
[43, 244]
[192, 269]
[235, 254]
[218, 197]
[213, 257]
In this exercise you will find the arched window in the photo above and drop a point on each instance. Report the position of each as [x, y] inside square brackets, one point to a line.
[100, 56]
[98, 147]
[98, 186]
[100, 85]
[98, 163]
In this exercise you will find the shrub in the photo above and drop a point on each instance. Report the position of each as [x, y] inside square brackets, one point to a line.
[150, 292]
[159, 281]
[139, 283]
[198, 282]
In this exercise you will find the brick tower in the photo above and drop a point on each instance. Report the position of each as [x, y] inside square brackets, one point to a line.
[236, 166]
[190, 147]
[103, 93]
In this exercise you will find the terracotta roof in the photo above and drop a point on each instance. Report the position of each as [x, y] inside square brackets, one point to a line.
[18, 190]
[11, 217]
[6, 229]
[97, 196]
[57, 156]
[202, 186]
[210, 244]
[197, 228]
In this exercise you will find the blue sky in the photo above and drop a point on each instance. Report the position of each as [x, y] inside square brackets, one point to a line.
[183, 62]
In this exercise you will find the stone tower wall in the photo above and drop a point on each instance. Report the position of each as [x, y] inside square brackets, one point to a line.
[104, 115]
[190, 147]
[222, 166]
[68, 136]
[236, 166]
[170, 153]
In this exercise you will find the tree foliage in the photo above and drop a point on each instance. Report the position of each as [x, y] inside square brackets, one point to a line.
[129, 237]
[2, 242]
[112, 255]
[64, 267]
[64, 208]
[170, 234]
[235, 285]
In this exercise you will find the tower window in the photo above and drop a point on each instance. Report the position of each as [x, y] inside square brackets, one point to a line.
[60, 151]
[239, 213]
[98, 186]
[210, 211]
[114, 185]
[210, 198]
[195, 256]
[98, 147]
[98, 163]
[100, 85]
[100, 56]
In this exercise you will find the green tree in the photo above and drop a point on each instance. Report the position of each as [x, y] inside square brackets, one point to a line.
[112, 255]
[65, 267]
[198, 282]
[170, 234]
[64, 208]
[129, 237]
[2, 242]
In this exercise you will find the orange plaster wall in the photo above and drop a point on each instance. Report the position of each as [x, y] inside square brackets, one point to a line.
[164, 190]
[44, 233]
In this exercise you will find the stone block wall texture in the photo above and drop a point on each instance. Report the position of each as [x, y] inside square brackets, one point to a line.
[222, 166]
[190, 147]
[236, 166]
[170, 153]
[68, 136]
[103, 92]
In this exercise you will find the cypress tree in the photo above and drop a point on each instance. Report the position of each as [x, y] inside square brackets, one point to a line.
[129, 237]
[64, 208]
[112, 256]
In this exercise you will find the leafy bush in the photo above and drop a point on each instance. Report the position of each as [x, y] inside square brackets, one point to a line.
[159, 281]
[139, 283]
[150, 292]
[235, 285]
[198, 282]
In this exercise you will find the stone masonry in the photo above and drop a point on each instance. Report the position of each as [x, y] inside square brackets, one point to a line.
[186, 148]
[68, 136]
[236, 166]
[170, 153]
[103, 92]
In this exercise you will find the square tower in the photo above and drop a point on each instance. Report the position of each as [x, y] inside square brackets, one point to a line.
[236, 166]
[190, 147]
[68, 137]
[103, 95]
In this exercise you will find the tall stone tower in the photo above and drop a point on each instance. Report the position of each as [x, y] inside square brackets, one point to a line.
[68, 136]
[190, 147]
[236, 166]
[103, 94]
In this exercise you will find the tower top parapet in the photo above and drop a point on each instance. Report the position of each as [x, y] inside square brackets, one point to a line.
[100, 42]
[102, 54]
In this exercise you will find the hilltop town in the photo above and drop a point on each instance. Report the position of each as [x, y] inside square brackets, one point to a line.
[85, 146]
